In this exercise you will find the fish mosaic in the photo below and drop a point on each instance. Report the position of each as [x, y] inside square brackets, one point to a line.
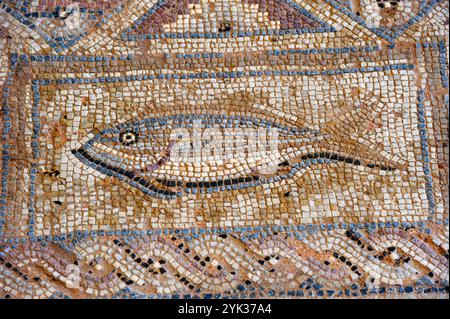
[142, 152]
[224, 149]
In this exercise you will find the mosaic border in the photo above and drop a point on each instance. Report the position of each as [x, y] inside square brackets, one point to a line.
[249, 232]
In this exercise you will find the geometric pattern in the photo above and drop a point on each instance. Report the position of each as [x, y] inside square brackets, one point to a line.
[224, 149]
[251, 16]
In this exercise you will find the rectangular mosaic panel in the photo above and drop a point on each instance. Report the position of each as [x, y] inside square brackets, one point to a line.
[229, 148]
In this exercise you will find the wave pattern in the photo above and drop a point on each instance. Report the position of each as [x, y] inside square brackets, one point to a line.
[327, 261]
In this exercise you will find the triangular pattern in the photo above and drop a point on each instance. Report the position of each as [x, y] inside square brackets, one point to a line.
[61, 23]
[198, 18]
[388, 19]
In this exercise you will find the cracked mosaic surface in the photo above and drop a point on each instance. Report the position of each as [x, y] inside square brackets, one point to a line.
[126, 167]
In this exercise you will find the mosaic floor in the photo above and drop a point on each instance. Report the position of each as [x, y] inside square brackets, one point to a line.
[224, 148]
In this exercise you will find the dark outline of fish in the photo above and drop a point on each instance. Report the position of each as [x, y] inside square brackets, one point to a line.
[337, 130]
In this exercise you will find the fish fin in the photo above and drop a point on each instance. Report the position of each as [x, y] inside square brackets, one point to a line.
[260, 105]
[269, 111]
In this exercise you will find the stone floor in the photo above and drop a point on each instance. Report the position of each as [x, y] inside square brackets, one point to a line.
[224, 148]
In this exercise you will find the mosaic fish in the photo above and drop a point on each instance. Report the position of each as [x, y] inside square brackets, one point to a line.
[170, 156]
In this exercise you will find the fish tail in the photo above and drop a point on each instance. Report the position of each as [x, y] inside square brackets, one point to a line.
[366, 110]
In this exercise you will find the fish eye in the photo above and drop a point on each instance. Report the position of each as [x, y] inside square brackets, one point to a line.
[128, 137]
